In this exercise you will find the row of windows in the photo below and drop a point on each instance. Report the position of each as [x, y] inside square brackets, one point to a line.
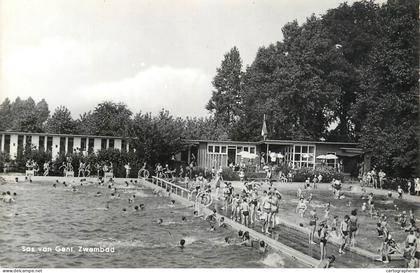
[221, 149]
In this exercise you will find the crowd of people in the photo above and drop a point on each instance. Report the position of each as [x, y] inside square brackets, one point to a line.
[252, 206]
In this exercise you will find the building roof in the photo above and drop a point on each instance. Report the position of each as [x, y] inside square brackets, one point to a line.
[270, 141]
[227, 142]
[59, 135]
[288, 142]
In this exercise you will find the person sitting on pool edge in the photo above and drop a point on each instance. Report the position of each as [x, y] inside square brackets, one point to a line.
[327, 263]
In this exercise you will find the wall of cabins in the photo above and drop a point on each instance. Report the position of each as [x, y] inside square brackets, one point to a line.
[12, 143]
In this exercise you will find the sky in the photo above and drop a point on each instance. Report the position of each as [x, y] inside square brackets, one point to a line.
[148, 54]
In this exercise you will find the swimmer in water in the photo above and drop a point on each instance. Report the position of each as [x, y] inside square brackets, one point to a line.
[107, 205]
[364, 207]
[184, 218]
[136, 208]
[142, 206]
[54, 185]
[182, 243]
[7, 198]
[172, 205]
[262, 247]
[160, 221]
[222, 222]
[98, 194]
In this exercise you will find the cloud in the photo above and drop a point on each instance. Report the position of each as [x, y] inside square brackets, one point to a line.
[183, 91]
[80, 75]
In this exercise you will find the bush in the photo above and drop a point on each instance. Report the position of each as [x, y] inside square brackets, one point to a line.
[393, 183]
[328, 174]
[253, 175]
[229, 175]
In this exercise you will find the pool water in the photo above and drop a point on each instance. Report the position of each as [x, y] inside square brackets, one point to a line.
[43, 216]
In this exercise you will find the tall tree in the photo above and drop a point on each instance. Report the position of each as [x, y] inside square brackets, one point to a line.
[386, 105]
[26, 117]
[61, 122]
[111, 119]
[204, 128]
[5, 114]
[225, 100]
[157, 138]
[355, 29]
[296, 83]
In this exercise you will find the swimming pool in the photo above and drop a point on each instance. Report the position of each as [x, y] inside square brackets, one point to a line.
[48, 217]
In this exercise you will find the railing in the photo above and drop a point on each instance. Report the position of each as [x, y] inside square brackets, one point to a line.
[178, 190]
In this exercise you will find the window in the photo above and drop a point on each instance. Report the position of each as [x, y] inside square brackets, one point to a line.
[331, 162]
[83, 144]
[111, 143]
[103, 143]
[252, 150]
[217, 149]
[239, 149]
[246, 149]
[304, 156]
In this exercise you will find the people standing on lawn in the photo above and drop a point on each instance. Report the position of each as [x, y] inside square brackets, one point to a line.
[400, 192]
[127, 168]
[314, 182]
[417, 186]
[81, 169]
[381, 176]
[46, 168]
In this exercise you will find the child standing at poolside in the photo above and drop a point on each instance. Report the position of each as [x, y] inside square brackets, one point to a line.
[312, 222]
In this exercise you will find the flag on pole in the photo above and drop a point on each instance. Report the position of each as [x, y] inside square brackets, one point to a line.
[264, 132]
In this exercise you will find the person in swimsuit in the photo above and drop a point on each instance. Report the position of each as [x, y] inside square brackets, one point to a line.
[301, 207]
[334, 225]
[327, 263]
[265, 208]
[354, 226]
[245, 212]
[253, 204]
[327, 211]
[312, 223]
[380, 230]
[234, 208]
[226, 196]
[323, 235]
[411, 242]
[344, 230]
[274, 202]
[400, 192]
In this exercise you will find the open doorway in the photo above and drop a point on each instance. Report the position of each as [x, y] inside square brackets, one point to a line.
[232, 155]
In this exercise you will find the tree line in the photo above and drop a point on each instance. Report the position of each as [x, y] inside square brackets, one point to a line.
[348, 75]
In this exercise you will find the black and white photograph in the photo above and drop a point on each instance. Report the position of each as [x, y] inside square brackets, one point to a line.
[209, 134]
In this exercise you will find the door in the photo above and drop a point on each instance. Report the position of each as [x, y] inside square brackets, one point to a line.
[231, 156]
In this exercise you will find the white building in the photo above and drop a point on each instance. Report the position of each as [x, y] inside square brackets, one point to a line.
[12, 142]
